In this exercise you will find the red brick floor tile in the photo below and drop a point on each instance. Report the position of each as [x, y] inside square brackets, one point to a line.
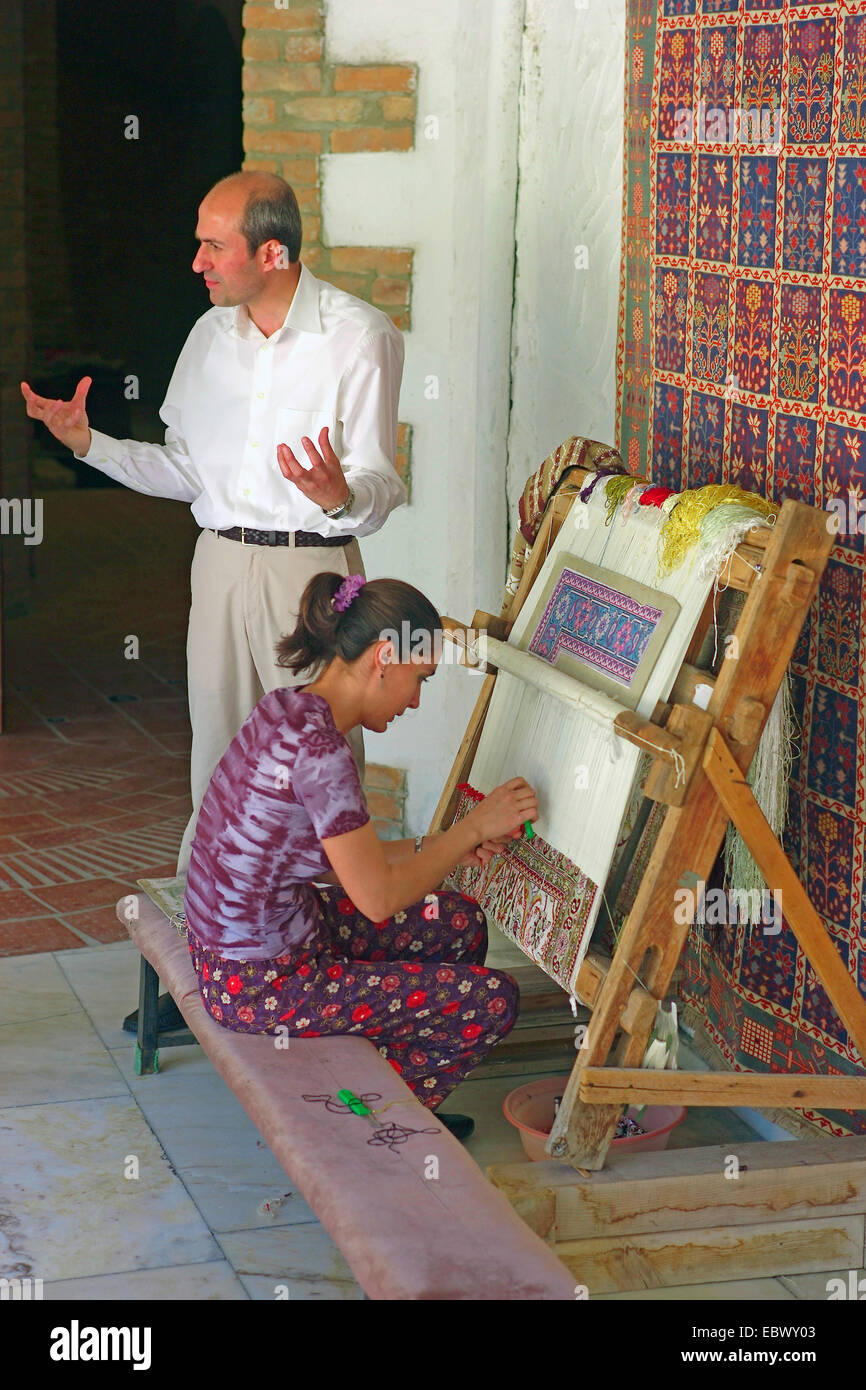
[30, 741]
[176, 805]
[19, 825]
[162, 870]
[141, 803]
[98, 731]
[24, 803]
[14, 903]
[171, 786]
[131, 820]
[67, 898]
[99, 922]
[177, 743]
[36, 934]
[51, 839]
[66, 659]
[10, 844]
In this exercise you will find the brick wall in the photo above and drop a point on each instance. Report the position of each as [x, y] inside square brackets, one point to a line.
[298, 106]
[385, 790]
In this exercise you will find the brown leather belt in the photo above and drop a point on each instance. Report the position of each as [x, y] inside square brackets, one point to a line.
[248, 536]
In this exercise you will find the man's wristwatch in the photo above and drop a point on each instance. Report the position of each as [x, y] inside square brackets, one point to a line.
[344, 508]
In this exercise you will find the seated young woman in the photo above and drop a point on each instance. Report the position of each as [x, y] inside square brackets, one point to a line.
[298, 915]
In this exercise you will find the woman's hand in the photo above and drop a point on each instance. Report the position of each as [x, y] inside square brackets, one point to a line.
[504, 811]
[488, 850]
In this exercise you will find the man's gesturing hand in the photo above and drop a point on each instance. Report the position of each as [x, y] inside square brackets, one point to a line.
[67, 420]
[324, 483]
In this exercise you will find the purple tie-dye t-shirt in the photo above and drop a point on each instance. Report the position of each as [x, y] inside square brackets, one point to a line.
[287, 781]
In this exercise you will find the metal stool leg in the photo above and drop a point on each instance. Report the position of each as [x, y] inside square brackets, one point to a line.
[146, 1049]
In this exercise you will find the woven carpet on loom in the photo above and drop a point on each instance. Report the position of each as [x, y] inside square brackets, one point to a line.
[742, 358]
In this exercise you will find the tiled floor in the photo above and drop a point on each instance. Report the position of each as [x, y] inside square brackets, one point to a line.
[94, 784]
[120, 1186]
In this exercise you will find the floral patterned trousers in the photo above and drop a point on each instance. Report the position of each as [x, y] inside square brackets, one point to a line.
[414, 984]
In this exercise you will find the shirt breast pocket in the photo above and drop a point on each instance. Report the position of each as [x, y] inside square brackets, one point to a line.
[292, 425]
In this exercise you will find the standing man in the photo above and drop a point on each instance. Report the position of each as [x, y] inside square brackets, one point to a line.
[281, 419]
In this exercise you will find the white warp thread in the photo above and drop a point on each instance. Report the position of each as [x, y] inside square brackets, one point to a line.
[584, 773]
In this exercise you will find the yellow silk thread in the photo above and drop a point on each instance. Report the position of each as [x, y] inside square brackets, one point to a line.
[682, 529]
[615, 490]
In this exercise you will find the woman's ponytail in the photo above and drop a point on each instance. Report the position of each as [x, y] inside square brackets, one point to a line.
[314, 638]
[381, 608]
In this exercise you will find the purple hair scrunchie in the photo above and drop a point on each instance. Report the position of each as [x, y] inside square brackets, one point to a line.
[347, 592]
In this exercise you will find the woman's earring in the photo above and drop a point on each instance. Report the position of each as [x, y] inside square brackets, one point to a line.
[382, 674]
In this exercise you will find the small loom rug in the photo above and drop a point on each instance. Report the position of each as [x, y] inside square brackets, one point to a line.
[536, 896]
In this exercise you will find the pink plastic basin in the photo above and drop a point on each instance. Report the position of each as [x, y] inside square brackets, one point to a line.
[530, 1109]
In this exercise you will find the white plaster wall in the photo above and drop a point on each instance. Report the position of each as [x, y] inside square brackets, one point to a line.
[546, 339]
[570, 194]
[453, 200]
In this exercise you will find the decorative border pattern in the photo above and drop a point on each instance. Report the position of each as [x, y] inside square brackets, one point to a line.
[601, 626]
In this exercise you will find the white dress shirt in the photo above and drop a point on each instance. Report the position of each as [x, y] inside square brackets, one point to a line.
[235, 395]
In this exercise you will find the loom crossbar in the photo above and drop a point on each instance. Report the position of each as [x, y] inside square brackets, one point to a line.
[481, 650]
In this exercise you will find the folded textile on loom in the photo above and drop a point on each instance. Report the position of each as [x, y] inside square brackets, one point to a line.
[603, 593]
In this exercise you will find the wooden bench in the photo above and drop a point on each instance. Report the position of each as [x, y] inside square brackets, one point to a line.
[404, 1233]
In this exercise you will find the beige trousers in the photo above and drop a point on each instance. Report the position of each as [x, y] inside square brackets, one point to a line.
[244, 598]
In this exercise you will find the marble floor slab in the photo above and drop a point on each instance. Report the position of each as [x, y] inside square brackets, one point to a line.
[212, 1143]
[55, 1060]
[105, 981]
[93, 1193]
[207, 1282]
[33, 988]
[292, 1262]
[750, 1290]
[818, 1287]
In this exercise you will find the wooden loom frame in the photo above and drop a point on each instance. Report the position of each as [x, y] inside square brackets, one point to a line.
[779, 570]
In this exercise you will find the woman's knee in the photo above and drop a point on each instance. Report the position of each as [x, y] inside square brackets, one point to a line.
[466, 921]
[507, 997]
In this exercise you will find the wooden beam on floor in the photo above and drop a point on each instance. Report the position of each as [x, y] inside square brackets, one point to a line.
[673, 1258]
[638, 1086]
[732, 1184]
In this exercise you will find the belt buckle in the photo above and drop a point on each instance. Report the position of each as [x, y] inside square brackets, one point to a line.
[243, 539]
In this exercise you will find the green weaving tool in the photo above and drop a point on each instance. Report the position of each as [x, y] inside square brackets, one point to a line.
[357, 1106]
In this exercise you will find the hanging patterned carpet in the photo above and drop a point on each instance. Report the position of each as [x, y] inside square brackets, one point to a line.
[742, 358]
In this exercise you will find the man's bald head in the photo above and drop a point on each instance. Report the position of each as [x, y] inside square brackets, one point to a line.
[265, 208]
